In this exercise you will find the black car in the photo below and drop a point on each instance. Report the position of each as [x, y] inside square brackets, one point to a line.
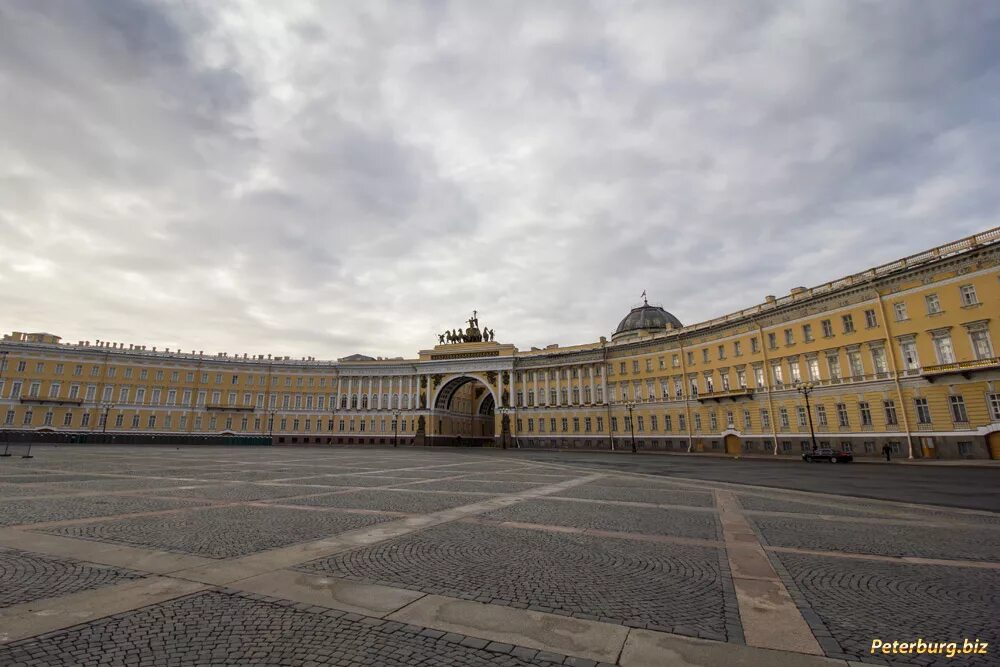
[828, 455]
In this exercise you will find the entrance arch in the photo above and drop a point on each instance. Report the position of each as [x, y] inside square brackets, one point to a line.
[464, 412]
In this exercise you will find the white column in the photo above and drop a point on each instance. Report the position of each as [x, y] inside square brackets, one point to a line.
[500, 388]
[593, 388]
[547, 371]
[338, 392]
[378, 403]
[538, 400]
[604, 386]
[558, 386]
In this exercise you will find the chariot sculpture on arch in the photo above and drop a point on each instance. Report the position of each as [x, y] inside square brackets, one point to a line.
[470, 334]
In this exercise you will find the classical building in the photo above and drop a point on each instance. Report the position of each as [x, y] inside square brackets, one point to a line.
[901, 354]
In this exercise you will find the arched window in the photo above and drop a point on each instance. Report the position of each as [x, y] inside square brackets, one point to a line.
[364, 402]
[395, 401]
[354, 401]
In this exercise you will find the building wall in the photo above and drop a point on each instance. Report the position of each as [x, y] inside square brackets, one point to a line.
[904, 354]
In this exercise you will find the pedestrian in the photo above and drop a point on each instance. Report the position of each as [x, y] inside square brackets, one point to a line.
[887, 450]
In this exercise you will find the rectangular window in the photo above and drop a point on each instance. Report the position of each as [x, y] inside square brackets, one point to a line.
[968, 293]
[652, 423]
[794, 372]
[833, 362]
[789, 337]
[754, 345]
[870, 320]
[879, 361]
[812, 366]
[866, 413]
[737, 349]
[587, 424]
[565, 424]
[827, 328]
[890, 412]
[821, 415]
[668, 422]
[783, 417]
[614, 423]
[854, 361]
[682, 422]
[600, 424]
[908, 350]
[933, 304]
[981, 345]
[713, 422]
[802, 415]
[994, 402]
[722, 352]
[640, 423]
[807, 333]
[704, 355]
[923, 411]
[697, 422]
[772, 341]
[958, 412]
[765, 418]
[848, 322]
[842, 419]
[943, 348]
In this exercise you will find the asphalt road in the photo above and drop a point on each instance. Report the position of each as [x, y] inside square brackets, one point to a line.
[966, 487]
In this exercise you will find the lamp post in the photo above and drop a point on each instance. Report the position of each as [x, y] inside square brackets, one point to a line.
[504, 426]
[104, 419]
[395, 428]
[631, 422]
[805, 388]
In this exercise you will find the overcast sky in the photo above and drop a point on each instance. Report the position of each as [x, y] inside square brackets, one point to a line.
[327, 178]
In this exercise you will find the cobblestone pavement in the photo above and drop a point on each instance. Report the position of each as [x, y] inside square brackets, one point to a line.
[894, 601]
[221, 532]
[656, 496]
[24, 511]
[25, 576]
[965, 543]
[217, 628]
[390, 501]
[670, 587]
[232, 504]
[647, 520]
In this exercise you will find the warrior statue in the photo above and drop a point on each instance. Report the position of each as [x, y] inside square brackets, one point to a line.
[441, 339]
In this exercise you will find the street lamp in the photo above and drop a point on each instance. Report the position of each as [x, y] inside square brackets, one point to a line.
[504, 426]
[805, 388]
[395, 428]
[104, 420]
[631, 422]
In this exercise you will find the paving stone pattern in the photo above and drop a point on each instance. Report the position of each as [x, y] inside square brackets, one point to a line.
[640, 495]
[648, 520]
[222, 532]
[25, 576]
[462, 485]
[769, 504]
[240, 491]
[852, 603]
[390, 501]
[17, 511]
[668, 587]
[966, 543]
[227, 628]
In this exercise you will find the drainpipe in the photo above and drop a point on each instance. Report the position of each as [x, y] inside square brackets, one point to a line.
[895, 373]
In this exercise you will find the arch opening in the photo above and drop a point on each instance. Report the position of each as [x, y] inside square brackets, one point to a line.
[464, 413]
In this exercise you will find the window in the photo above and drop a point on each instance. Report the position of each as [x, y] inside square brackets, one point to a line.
[870, 320]
[758, 376]
[681, 422]
[668, 424]
[587, 425]
[576, 424]
[968, 293]
[737, 349]
[899, 309]
[794, 372]
[635, 368]
[908, 350]
[640, 424]
[765, 418]
[675, 361]
[842, 419]
[722, 352]
[812, 366]
[958, 412]
[772, 341]
[143, 374]
[933, 304]
[890, 412]
[119, 421]
[807, 333]
[789, 337]
[981, 345]
[866, 413]
[754, 345]
[854, 361]
[697, 422]
[600, 424]
[713, 421]
[652, 423]
[802, 415]
[704, 355]
[747, 422]
[135, 421]
[848, 322]
[923, 411]
[942, 347]
[783, 417]
[827, 328]
[741, 378]
[965, 449]
[833, 363]
[776, 374]
[994, 402]
[879, 361]
[614, 423]
[27, 418]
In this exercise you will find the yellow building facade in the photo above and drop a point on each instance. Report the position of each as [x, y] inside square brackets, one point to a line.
[901, 355]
